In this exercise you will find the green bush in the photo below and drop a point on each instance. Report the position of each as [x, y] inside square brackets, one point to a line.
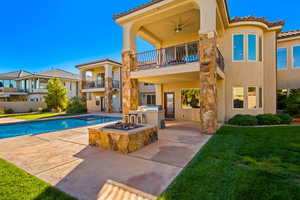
[76, 105]
[10, 111]
[2, 111]
[46, 110]
[243, 120]
[268, 119]
[30, 110]
[293, 104]
[285, 118]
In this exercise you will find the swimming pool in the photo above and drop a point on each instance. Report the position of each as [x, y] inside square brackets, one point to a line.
[37, 127]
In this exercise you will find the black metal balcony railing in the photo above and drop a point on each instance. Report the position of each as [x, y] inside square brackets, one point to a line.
[93, 84]
[220, 60]
[180, 54]
[116, 84]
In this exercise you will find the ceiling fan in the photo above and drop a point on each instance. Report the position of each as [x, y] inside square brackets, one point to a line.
[180, 25]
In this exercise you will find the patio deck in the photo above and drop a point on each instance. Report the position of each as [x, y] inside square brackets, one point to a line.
[65, 160]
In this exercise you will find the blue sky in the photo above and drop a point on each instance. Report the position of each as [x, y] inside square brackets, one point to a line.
[39, 35]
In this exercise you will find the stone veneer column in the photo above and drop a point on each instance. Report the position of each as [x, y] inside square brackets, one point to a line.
[130, 88]
[208, 83]
[108, 89]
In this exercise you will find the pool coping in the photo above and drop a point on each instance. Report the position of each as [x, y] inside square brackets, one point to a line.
[61, 117]
[55, 118]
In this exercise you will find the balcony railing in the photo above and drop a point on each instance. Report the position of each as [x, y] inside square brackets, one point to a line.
[180, 54]
[116, 84]
[93, 84]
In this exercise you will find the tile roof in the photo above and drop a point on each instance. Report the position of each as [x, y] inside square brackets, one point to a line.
[99, 61]
[288, 34]
[145, 5]
[59, 74]
[15, 74]
[117, 191]
[257, 19]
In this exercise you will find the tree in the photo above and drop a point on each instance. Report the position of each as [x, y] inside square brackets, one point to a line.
[57, 95]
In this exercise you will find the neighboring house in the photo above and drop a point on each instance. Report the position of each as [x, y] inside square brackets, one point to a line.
[26, 86]
[147, 94]
[101, 86]
[207, 66]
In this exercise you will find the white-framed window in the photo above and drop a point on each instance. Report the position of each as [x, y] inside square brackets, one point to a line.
[252, 47]
[252, 97]
[238, 47]
[89, 96]
[282, 58]
[151, 99]
[238, 98]
[296, 56]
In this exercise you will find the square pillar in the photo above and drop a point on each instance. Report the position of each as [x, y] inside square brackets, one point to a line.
[208, 83]
[108, 88]
[130, 87]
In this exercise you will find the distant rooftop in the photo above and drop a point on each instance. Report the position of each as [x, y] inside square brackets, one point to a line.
[14, 75]
[99, 61]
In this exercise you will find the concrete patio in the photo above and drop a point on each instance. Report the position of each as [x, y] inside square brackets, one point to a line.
[65, 160]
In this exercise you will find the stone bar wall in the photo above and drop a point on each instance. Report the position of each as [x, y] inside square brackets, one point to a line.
[108, 88]
[130, 88]
[208, 82]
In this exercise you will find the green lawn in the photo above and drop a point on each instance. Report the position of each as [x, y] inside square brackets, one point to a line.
[40, 115]
[243, 164]
[16, 184]
[29, 116]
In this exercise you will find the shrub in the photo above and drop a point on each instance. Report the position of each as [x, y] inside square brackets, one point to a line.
[268, 119]
[10, 111]
[40, 109]
[30, 110]
[2, 111]
[285, 118]
[45, 110]
[243, 120]
[293, 104]
[76, 105]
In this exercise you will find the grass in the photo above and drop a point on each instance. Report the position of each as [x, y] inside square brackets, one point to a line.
[17, 184]
[30, 116]
[40, 116]
[243, 163]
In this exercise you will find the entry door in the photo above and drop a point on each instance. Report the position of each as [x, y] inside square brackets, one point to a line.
[169, 101]
[102, 104]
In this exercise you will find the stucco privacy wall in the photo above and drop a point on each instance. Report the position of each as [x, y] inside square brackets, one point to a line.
[22, 106]
[249, 73]
[288, 78]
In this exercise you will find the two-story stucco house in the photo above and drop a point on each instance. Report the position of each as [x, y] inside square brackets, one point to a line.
[25, 86]
[206, 66]
[100, 85]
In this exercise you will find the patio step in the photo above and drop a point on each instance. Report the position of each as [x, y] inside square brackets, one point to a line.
[117, 191]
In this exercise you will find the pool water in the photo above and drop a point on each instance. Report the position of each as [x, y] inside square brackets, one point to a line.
[37, 127]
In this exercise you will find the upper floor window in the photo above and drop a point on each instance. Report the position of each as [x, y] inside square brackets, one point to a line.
[113, 75]
[252, 47]
[296, 56]
[238, 47]
[282, 58]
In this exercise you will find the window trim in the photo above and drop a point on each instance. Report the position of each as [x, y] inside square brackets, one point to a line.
[287, 58]
[256, 49]
[244, 47]
[257, 97]
[232, 99]
[292, 54]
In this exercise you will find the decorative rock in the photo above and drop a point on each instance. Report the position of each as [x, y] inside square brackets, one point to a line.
[123, 141]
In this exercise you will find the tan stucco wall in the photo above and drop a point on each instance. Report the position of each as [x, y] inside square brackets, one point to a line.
[91, 104]
[182, 114]
[288, 78]
[249, 73]
[22, 106]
